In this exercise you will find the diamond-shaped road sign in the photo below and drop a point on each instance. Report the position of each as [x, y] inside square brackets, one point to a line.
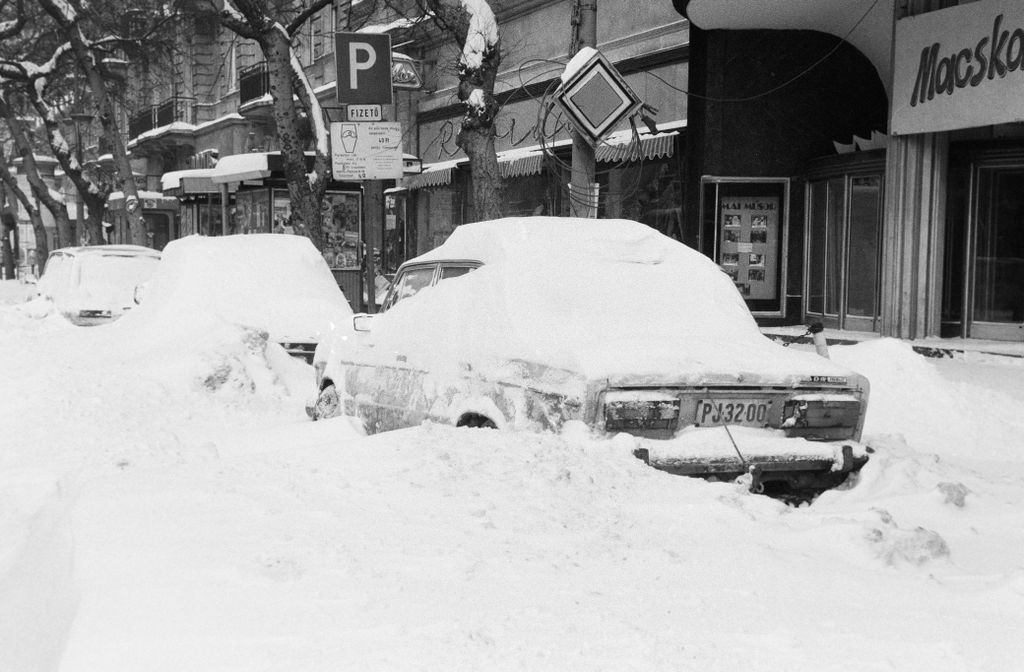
[596, 98]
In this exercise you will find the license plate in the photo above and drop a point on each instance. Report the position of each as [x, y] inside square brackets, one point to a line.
[750, 412]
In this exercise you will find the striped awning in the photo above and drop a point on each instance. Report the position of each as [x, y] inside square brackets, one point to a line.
[434, 175]
[623, 148]
[520, 166]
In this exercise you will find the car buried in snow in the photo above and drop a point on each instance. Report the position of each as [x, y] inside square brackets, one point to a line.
[530, 323]
[96, 284]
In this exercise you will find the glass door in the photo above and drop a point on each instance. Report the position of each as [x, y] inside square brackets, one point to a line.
[841, 283]
[997, 294]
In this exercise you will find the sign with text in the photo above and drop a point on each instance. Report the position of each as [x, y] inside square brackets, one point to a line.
[363, 63]
[960, 67]
[365, 112]
[369, 150]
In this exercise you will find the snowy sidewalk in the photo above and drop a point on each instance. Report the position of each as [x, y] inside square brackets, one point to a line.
[955, 348]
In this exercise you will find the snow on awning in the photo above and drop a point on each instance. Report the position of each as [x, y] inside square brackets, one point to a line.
[150, 200]
[398, 24]
[192, 181]
[241, 167]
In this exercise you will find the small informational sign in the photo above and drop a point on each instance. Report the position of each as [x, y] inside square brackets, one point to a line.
[366, 150]
[749, 227]
[959, 67]
[365, 112]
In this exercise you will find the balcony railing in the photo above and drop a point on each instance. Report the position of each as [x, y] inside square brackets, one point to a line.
[175, 109]
[253, 83]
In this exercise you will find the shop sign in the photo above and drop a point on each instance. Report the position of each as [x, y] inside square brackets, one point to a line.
[366, 150]
[960, 67]
[403, 72]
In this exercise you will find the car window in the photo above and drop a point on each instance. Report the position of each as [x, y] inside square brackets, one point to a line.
[411, 281]
[450, 271]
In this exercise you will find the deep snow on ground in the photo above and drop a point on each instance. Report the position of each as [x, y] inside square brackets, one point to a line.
[165, 505]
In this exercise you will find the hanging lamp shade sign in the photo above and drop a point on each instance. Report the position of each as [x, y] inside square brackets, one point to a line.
[594, 95]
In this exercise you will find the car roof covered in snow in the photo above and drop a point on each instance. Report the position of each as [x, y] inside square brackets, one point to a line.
[108, 249]
[513, 239]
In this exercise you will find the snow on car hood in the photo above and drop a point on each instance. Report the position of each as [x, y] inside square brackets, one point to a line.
[654, 311]
[272, 282]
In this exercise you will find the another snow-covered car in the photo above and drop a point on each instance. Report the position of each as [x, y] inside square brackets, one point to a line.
[276, 283]
[534, 322]
[97, 284]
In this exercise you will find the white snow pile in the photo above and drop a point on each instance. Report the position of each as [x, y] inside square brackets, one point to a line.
[147, 524]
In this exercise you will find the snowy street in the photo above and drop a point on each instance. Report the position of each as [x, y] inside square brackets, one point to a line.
[166, 505]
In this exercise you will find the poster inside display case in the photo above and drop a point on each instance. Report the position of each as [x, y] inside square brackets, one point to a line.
[341, 218]
[749, 230]
[746, 219]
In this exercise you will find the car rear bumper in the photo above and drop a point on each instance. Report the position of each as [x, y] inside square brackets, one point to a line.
[769, 459]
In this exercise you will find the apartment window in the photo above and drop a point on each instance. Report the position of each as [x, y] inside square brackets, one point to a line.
[320, 43]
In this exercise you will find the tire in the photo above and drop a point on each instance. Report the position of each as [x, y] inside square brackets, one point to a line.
[328, 404]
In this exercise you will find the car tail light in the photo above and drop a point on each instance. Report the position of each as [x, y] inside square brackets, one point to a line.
[640, 410]
[821, 416]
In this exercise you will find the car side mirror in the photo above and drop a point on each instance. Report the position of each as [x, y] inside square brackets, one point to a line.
[362, 322]
[139, 293]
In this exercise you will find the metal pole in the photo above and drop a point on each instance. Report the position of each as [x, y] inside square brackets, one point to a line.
[582, 203]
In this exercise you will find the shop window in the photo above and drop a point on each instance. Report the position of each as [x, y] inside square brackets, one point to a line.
[342, 215]
[647, 191]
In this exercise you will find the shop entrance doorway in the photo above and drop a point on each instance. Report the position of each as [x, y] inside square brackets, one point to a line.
[996, 295]
[844, 214]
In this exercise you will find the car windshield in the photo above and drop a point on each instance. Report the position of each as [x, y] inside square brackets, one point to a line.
[115, 276]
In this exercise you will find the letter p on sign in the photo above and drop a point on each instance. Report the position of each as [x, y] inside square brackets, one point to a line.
[364, 68]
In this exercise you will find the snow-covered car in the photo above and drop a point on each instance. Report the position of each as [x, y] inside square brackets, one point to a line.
[529, 323]
[275, 283]
[97, 284]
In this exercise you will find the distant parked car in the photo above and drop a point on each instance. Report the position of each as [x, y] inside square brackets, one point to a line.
[97, 284]
[528, 323]
[276, 283]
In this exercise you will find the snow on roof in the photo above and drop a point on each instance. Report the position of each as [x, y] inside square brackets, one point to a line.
[275, 282]
[172, 180]
[238, 167]
[518, 238]
[576, 62]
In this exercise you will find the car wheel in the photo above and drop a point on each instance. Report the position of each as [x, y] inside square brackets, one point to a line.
[476, 420]
[328, 405]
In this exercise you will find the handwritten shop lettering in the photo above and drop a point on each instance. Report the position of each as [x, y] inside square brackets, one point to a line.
[748, 205]
[993, 56]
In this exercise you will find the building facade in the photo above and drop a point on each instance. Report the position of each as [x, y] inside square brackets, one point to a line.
[198, 121]
[891, 133]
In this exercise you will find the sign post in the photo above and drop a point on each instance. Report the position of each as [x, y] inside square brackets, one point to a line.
[365, 148]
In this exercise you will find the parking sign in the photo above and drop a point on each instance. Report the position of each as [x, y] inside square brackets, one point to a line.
[364, 68]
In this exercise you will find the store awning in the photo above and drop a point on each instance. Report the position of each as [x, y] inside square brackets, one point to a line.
[192, 181]
[241, 167]
[150, 200]
[621, 147]
[436, 174]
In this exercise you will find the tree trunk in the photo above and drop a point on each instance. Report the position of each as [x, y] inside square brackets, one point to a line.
[8, 222]
[478, 144]
[306, 197]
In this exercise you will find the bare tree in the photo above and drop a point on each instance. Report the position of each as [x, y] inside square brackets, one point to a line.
[40, 190]
[11, 188]
[273, 25]
[472, 24]
[88, 54]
